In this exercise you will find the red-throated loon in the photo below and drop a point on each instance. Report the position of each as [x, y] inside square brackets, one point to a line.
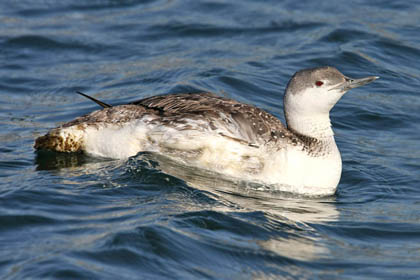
[223, 135]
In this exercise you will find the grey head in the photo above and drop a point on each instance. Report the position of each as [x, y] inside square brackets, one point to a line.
[312, 93]
[319, 88]
[307, 78]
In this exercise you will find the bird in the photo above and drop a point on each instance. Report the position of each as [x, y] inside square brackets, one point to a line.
[223, 135]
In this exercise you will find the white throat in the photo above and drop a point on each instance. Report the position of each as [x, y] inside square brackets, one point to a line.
[307, 111]
[316, 126]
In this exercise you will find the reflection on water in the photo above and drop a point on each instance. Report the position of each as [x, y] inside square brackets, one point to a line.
[298, 212]
[282, 212]
[46, 160]
[249, 196]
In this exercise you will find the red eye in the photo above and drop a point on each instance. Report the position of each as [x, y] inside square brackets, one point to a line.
[319, 83]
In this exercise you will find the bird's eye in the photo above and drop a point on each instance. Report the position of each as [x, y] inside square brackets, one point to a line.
[319, 83]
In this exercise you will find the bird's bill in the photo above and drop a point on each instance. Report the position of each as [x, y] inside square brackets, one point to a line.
[350, 83]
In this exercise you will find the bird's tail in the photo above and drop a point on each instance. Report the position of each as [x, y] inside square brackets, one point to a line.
[68, 139]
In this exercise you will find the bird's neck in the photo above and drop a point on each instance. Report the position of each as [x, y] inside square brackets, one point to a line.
[314, 126]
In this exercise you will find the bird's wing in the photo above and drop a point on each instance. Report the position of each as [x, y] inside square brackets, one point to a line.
[233, 119]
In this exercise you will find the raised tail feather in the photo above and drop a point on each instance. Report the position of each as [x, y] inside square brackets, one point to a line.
[100, 103]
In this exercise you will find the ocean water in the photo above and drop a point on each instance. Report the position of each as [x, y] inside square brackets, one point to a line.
[68, 216]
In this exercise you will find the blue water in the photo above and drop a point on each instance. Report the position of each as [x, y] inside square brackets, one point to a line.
[75, 217]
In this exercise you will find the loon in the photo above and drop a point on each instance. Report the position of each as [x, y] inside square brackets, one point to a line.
[223, 135]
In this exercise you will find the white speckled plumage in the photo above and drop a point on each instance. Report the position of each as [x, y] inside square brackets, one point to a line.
[223, 135]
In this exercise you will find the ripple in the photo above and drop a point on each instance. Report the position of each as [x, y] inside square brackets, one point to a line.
[13, 222]
[72, 216]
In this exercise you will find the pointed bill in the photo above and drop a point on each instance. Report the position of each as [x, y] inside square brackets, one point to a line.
[350, 83]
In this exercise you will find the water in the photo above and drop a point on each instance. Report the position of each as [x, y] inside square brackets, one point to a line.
[70, 216]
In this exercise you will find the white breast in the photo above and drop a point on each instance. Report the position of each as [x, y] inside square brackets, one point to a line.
[304, 174]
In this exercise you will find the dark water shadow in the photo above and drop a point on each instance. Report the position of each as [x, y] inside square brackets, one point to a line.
[47, 160]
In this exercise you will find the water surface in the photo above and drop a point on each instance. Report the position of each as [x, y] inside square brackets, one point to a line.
[71, 216]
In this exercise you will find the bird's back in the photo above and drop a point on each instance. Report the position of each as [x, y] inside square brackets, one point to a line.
[228, 117]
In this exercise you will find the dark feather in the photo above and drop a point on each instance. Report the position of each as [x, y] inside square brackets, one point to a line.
[254, 124]
[100, 103]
